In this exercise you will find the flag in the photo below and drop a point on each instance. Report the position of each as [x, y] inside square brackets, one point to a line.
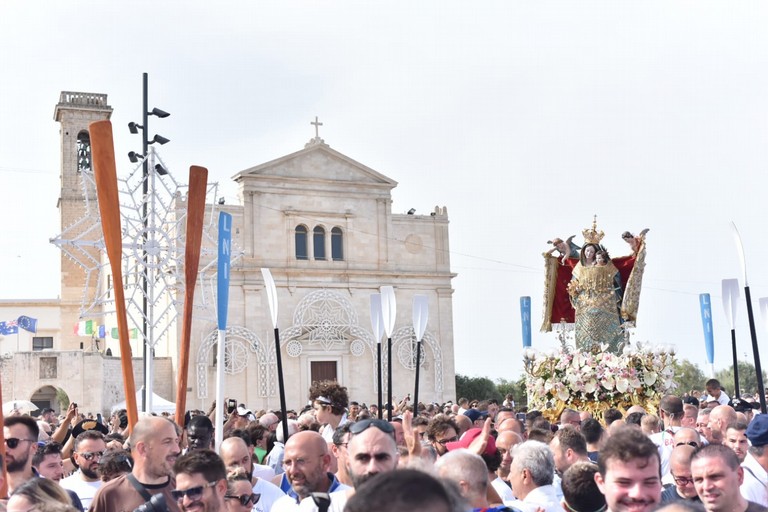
[10, 327]
[102, 331]
[134, 333]
[28, 323]
[84, 328]
[525, 315]
[115, 334]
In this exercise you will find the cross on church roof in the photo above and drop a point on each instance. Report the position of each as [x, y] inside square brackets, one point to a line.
[316, 140]
[317, 125]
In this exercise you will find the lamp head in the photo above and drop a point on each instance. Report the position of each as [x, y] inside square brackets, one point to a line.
[159, 113]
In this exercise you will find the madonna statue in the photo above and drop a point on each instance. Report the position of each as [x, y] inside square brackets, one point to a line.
[595, 292]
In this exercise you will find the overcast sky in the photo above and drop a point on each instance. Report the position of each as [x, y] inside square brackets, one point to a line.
[523, 118]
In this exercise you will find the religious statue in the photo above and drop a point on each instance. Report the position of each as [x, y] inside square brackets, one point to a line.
[597, 293]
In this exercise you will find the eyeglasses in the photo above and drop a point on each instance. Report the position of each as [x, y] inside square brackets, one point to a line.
[689, 443]
[13, 442]
[449, 440]
[295, 462]
[683, 481]
[361, 426]
[91, 455]
[244, 499]
[194, 493]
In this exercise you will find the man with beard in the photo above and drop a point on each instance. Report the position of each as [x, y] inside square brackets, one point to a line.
[154, 448]
[628, 471]
[372, 450]
[201, 482]
[85, 482]
[442, 430]
[235, 454]
[306, 463]
[20, 446]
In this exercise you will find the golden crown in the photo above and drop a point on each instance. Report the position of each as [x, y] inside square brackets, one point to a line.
[593, 236]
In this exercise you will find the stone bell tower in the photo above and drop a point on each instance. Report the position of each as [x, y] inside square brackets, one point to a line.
[75, 111]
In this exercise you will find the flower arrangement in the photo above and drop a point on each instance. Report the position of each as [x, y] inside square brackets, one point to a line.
[598, 380]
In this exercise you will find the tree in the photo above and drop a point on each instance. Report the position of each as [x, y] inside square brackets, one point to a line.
[516, 387]
[476, 388]
[747, 379]
[688, 376]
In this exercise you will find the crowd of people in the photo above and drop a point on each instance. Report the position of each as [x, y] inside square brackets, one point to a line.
[694, 453]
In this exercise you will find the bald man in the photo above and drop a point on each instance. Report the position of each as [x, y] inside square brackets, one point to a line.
[505, 442]
[235, 454]
[307, 463]
[680, 469]
[719, 419]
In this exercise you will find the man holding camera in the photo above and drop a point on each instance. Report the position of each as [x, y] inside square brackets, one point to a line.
[154, 447]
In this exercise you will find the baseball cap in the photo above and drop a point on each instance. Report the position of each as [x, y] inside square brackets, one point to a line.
[469, 436]
[757, 431]
[474, 414]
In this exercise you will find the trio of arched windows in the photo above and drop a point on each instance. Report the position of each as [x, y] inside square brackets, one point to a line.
[318, 243]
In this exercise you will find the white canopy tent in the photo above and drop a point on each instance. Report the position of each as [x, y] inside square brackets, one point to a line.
[159, 404]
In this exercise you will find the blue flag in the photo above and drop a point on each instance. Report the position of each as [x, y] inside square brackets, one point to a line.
[525, 314]
[11, 327]
[225, 256]
[706, 322]
[28, 323]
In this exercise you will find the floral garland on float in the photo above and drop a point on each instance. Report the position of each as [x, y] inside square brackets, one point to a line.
[598, 380]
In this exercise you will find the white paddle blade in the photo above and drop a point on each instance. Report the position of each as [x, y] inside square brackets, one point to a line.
[269, 285]
[740, 249]
[730, 299]
[377, 321]
[420, 315]
[764, 310]
[388, 309]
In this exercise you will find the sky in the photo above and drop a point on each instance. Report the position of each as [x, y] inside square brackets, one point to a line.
[524, 119]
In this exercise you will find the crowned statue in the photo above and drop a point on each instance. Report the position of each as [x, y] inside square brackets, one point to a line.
[586, 287]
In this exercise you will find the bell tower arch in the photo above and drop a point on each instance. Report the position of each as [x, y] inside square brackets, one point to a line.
[74, 112]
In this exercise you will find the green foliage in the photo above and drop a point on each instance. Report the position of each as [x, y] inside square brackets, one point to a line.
[688, 376]
[476, 388]
[747, 378]
[482, 388]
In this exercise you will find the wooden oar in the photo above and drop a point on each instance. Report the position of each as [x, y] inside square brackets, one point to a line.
[198, 185]
[103, 153]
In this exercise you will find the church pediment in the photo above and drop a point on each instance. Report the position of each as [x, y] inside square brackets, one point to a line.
[316, 162]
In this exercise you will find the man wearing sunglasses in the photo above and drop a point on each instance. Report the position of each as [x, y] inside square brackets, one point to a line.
[20, 446]
[85, 482]
[201, 482]
[372, 450]
[236, 454]
[154, 448]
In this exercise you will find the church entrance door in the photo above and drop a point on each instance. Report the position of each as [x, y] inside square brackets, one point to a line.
[323, 370]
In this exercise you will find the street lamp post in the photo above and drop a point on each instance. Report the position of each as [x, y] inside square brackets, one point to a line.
[146, 396]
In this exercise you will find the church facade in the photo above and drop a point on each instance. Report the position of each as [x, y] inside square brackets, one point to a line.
[323, 224]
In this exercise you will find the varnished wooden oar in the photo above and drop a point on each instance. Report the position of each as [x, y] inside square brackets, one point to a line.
[198, 184]
[105, 172]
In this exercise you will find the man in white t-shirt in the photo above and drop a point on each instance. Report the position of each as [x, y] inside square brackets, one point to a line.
[88, 449]
[755, 485]
[671, 412]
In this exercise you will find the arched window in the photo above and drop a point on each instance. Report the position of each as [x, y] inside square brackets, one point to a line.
[318, 242]
[337, 244]
[83, 151]
[301, 243]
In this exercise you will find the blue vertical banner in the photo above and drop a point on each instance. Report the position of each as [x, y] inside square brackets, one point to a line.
[525, 315]
[706, 322]
[224, 260]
